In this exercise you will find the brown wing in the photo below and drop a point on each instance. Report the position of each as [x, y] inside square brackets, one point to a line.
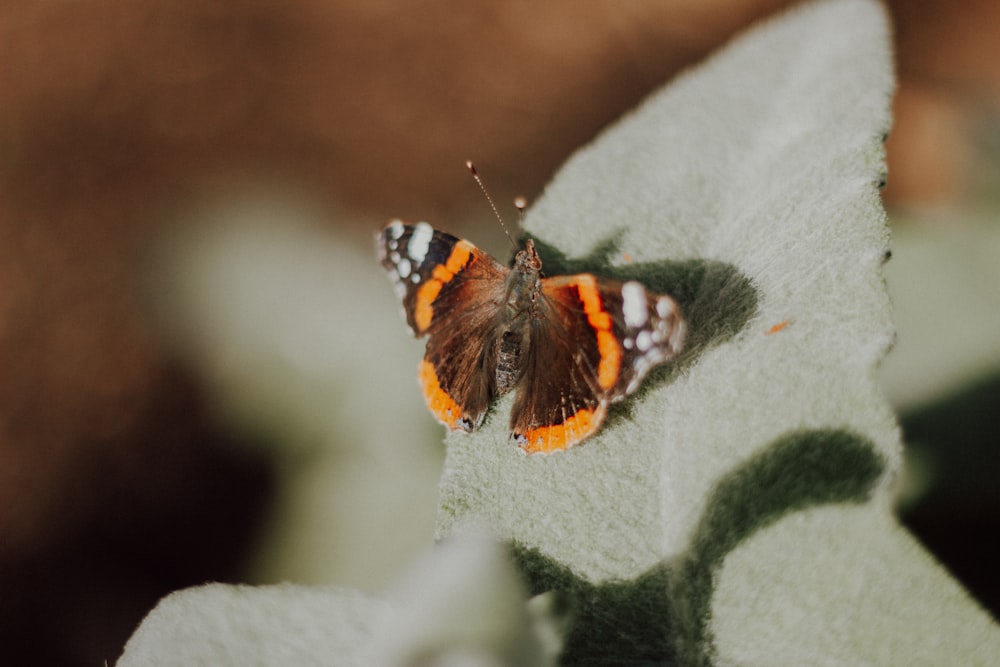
[450, 291]
[591, 344]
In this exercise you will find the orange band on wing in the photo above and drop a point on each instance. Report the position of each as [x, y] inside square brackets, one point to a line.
[423, 312]
[608, 347]
[438, 401]
[548, 439]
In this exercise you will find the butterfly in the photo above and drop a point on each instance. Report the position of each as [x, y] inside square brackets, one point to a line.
[569, 346]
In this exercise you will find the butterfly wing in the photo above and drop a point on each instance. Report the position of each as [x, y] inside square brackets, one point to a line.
[451, 291]
[592, 343]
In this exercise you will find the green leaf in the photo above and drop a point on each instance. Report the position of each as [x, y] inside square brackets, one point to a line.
[246, 625]
[463, 604]
[749, 189]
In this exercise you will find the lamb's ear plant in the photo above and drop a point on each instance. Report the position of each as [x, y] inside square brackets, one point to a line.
[738, 508]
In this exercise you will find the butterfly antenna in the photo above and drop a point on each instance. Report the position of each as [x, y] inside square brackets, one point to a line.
[496, 211]
[521, 204]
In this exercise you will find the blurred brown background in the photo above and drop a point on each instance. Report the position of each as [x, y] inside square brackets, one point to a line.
[117, 481]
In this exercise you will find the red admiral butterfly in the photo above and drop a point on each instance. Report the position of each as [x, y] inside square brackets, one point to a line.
[570, 345]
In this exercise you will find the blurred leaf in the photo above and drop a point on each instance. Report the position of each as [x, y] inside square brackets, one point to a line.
[463, 605]
[244, 625]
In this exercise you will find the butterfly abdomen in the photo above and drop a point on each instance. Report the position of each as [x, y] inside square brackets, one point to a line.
[509, 362]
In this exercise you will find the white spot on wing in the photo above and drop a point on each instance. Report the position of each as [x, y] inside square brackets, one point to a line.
[420, 242]
[644, 341]
[634, 305]
[664, 307]
[395, 229]
[403, 268]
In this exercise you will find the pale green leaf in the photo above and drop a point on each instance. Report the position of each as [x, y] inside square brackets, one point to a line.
[749, 189]
[463, 604]
[244, 625]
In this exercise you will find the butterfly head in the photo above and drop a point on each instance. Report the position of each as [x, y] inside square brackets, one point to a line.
[527, 260]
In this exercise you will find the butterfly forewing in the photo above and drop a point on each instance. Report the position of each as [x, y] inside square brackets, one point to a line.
[648, 327]
[422, 263]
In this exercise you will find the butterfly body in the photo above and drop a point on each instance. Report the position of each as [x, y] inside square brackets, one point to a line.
[568, 345]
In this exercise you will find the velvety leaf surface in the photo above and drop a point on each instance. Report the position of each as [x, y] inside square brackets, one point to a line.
[749, 189]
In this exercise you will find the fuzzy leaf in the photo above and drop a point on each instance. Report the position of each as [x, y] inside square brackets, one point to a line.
[749, 189]
[463, 604]
[246, 625]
